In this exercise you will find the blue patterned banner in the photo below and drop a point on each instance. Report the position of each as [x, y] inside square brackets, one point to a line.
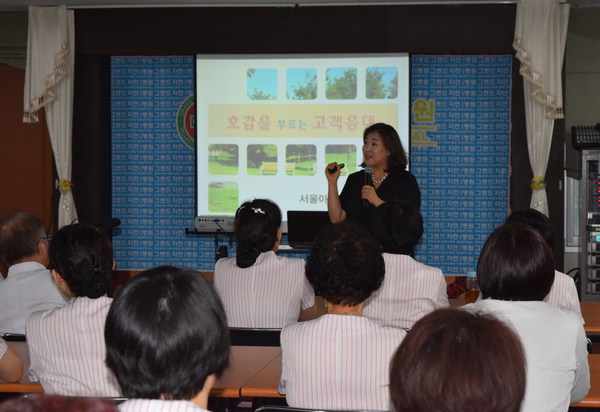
[153, 176]
[460, 153]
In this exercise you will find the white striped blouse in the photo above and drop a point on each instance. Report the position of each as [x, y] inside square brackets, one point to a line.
[338, 362]
[269, 294]
[156, 405]
[409, 291]
[67, 351]
[563, 294]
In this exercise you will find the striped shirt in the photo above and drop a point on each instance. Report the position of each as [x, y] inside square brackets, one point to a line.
[3, 348]
[269, 294]
[409, 291]
[563, 294]
[338, 362]
[156, 405]
[67, 351]
[555, 348]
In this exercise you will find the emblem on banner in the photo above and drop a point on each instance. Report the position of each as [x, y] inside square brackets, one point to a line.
[186, 121]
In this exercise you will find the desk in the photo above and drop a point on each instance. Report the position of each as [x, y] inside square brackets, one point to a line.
[245, 362]
[265, 382]
[591, 315]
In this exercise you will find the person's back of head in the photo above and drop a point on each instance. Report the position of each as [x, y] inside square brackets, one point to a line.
[166, 334]
[20, 237]
[82, 256]
[536, 220]
[345, 264]
[427, 373]
[257, 226]
[398, 226]
[515, 263]
[55, 403]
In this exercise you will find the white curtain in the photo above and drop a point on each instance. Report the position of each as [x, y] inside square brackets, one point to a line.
[540, 34]
[49, 84]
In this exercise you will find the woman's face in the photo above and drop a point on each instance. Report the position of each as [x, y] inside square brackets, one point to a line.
[374, 152]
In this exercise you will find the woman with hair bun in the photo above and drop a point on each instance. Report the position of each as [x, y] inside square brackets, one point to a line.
[66, 344]
[258, 288]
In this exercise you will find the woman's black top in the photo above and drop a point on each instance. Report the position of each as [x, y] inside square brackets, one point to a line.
[399, 185]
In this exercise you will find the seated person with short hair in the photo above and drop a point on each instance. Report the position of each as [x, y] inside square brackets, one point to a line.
[11, 366]
[167, 341]
[410, 289]
[66, 344]
[563, 293]
[341, 360]
[28, 286]
[477, 360]
[515, 272]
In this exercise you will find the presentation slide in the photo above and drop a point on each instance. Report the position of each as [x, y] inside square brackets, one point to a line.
[266, 126]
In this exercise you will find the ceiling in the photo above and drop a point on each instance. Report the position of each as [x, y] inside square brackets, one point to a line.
[21, 5]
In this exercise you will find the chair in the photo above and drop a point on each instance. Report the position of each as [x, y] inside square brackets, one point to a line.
[254, 337]
[280, 408]
[13, 337]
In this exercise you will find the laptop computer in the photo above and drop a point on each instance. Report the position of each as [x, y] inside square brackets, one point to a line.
[304, 226]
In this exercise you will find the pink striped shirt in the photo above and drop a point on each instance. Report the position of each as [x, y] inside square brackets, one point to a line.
[409, 291]
[157, 405]
[66, 349]
[338, 362]
[269, 294]
[563, 294]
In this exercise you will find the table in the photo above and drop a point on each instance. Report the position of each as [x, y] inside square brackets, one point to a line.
[245, 363]
[265, 382]
[591, 315]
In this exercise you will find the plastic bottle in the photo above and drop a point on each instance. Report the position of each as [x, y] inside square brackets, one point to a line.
[472, 290]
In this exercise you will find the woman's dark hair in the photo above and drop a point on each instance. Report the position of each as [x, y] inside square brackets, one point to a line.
[515, 263]
[536, 220]
[83, 256]
[391, 140]
[427, 373]
[165, 333]
[345, 264]
[256, 226]
[55, 403]
[398, 226]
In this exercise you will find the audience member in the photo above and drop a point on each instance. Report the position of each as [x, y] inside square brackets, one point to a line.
[410, 289]
[457, 360]
[66, 344]
[563, 293]
[28, 286]
[55, 403]
[258, 288]
[11, 367]
[340, 361]
[515, 273]
[167, 341]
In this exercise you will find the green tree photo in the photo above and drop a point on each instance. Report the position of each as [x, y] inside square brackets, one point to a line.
[341, 83]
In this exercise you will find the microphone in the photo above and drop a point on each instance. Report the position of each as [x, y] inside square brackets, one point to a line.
[368, 182]
[334, 168]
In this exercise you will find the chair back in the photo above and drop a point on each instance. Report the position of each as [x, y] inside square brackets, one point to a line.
[280, 408]
[254, 337]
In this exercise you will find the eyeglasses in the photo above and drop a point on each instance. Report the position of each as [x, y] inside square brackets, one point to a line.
[47, 237]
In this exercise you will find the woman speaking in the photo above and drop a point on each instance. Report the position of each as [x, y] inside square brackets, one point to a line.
[384, 178]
